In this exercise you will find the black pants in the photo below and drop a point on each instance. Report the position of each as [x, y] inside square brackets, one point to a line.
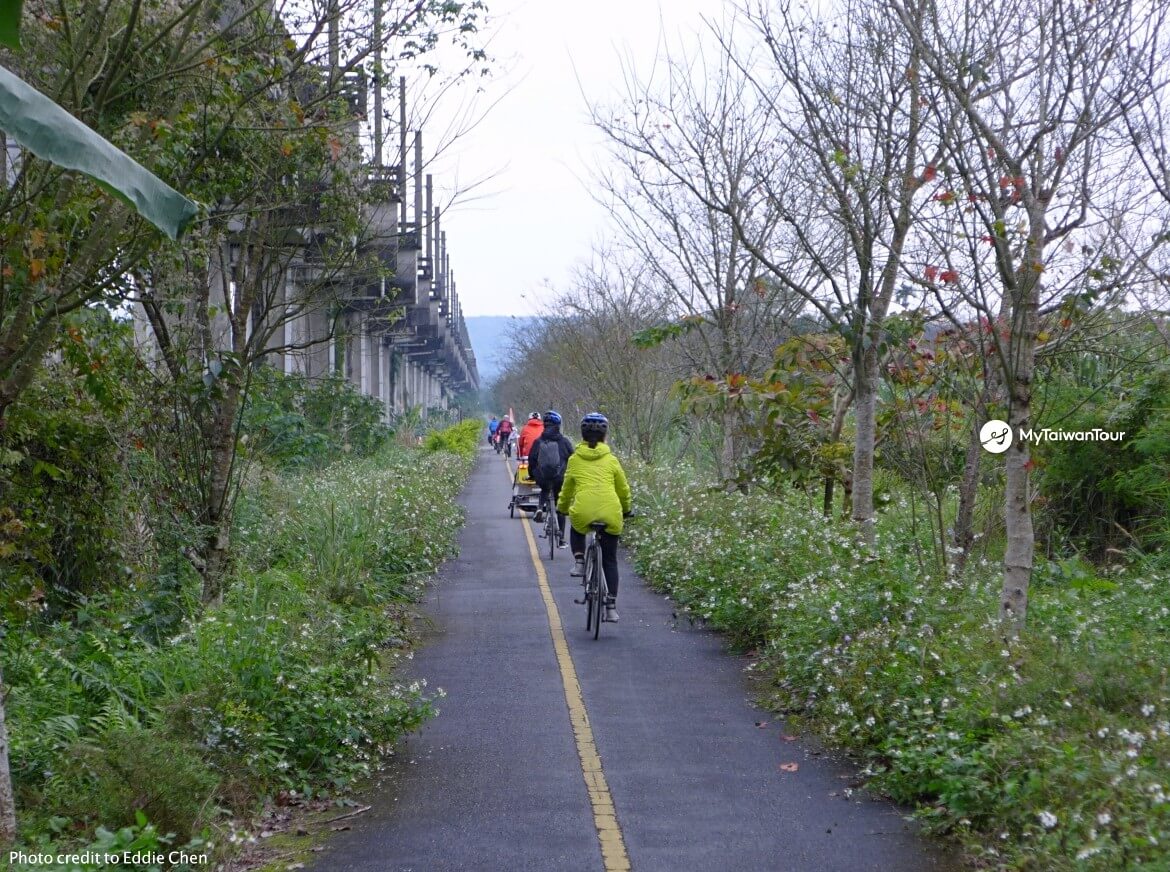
[609, 543]
[553, 491]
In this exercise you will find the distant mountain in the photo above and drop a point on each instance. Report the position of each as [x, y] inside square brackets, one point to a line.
[489, 340]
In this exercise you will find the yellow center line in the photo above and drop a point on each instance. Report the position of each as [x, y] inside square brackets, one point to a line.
[609, 833]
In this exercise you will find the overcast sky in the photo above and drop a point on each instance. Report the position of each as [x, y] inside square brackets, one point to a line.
[540, 219]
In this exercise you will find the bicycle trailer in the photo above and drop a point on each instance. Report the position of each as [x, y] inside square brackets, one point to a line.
[525, 491]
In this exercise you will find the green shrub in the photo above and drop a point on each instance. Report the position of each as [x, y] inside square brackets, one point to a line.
[301, 422]
[127, 770]
[462, 438]
[63, 479]
[1104, 495]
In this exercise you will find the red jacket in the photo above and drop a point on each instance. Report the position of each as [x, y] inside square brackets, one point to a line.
[531, 432]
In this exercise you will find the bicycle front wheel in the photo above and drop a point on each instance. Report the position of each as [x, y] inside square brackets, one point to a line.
[551, 530]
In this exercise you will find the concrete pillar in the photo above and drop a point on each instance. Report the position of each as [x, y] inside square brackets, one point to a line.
[373, 346]
[388, 381]
[369, 374]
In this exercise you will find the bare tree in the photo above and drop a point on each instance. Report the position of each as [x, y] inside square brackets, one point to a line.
[581, 355]
[1039, 161]
[844, 104]
[685, 148]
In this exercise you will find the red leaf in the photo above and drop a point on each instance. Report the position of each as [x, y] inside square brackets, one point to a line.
[789, 767]
[929, 173]
[949, 276]
[931, 273]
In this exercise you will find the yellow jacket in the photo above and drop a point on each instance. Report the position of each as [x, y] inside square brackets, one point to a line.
[595, 489]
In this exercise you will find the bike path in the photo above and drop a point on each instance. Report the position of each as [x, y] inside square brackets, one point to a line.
[496, 781]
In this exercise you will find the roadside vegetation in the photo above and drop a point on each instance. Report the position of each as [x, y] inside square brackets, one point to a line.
[140, 717]
[205, 562]
[1049, 751]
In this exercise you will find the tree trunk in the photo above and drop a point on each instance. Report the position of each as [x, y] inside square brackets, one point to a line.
[1021, 541]
[727, 451]
[217, 508]
[841, 405]
[865, 414]
[964, 536]
[1017, 382]
[7, 797]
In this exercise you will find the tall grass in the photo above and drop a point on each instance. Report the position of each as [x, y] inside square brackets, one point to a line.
[286, 687]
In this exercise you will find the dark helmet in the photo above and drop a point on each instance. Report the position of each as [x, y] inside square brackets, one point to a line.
[534, 416]
[594, 427]
[552, 419]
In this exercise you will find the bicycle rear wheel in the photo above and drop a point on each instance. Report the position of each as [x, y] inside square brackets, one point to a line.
[587, 581]
[551, 531]
[597, 584]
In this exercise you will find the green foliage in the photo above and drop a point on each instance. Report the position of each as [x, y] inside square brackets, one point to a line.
[123, 771]
[300, 422]
[63, 474]
[787, 413]
[462, 438]
[285, 686]
[1048, 752]
[1105, 495]
[10, 22]
[48, 131]
[667, 331]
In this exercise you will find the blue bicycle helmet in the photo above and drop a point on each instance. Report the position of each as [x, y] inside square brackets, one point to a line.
[594, 427]
[552, 419]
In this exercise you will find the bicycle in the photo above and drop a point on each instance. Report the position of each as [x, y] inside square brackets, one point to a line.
[596, 589]
[552, 526]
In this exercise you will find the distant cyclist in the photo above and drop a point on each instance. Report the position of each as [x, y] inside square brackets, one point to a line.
[503, 433]
[493, 426]
[533, 427]
[546, 464]
[596, 489]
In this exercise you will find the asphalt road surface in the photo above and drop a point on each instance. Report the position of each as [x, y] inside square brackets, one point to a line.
[640, 750]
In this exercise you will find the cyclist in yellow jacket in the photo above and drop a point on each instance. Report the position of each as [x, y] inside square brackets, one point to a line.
[596, 489]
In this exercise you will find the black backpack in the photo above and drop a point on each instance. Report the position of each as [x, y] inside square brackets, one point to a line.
[548, 462]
